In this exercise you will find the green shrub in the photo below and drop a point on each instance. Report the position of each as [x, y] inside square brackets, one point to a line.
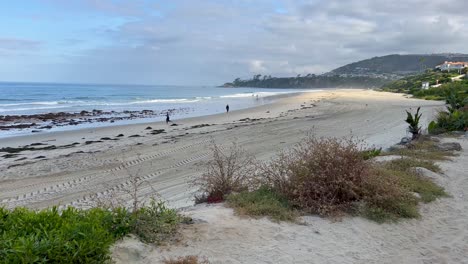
[72, 236]
[262, 202]
[371, 153]
[156, 222]
[457, 120]
[77, 236]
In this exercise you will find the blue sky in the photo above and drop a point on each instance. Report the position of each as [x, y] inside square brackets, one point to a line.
[213, 41]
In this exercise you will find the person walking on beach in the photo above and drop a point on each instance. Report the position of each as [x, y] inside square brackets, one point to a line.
[167, 118]
[227, 108]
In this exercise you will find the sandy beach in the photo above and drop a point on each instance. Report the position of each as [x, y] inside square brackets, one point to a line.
[69, 168]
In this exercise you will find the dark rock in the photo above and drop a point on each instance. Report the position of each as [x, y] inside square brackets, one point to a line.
[405, 140]
[92, 142]
[9, 156]
[199, 126]
[134, 136]
[37, 144]
[120, 135]
[40, 157]
[157, 131]
[149, 128]
[35, 131]
[174, 125]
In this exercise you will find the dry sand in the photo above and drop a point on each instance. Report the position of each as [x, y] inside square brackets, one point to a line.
[166, 161]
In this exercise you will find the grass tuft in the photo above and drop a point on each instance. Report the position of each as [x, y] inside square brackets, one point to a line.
[262, 202]
[424, 148]
[405, 164]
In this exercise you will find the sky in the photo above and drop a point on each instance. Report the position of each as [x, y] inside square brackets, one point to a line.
[208, 42]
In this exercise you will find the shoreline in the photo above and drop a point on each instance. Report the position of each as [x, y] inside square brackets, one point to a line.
[144, 117]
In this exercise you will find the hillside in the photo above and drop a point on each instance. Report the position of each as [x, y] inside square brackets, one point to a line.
[396, 65]
[310, 81]
[370, 73]
[413, 83]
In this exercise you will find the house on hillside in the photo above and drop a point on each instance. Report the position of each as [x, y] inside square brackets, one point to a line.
[451, 65]
[425, 85]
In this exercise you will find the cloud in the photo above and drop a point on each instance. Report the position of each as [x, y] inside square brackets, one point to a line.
[212, 41]
[18, 44]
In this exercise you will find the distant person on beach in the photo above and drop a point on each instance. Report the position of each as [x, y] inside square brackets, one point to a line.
[227, 108]
[167, 118]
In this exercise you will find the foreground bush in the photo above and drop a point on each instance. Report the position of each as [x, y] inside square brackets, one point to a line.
[77, 236]
[320, 176]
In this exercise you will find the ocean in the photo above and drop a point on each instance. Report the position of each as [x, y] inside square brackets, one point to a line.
[188, 101]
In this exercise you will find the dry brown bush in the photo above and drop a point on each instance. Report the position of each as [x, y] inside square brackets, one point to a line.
[326, 176]
[228, 171]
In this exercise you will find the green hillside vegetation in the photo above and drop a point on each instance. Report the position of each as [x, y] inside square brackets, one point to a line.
[455, 94]
[413, 83]
[309, 81]
[398, 64]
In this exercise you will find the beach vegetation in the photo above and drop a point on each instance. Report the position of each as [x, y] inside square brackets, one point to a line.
[371, 153]
[413, 122]
[79, 236]
[262, 202]
[333, 177]
[229, 170]
[422, 149]
[454, 93]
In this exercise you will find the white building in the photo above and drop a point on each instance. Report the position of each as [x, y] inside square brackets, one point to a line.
[450, 65]
[425, 85]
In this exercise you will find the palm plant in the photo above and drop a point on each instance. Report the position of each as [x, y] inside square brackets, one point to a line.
[413, 121]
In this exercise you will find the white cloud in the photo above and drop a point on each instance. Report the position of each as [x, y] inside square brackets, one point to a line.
[209, 42]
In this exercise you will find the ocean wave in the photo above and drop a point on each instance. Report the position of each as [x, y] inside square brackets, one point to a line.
[31, 103]
[165, 101]
[75, 103]
[28, 109]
